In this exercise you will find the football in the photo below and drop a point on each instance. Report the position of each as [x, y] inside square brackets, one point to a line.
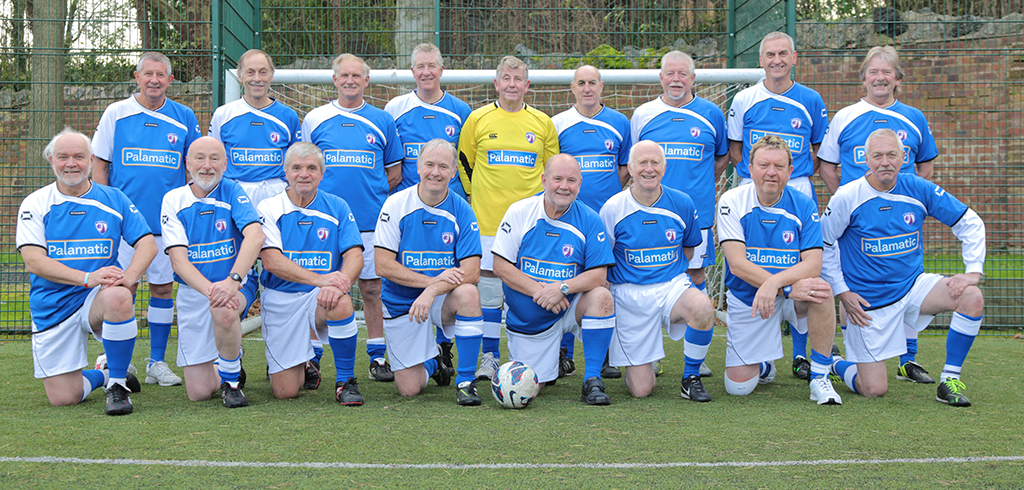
[514, 385]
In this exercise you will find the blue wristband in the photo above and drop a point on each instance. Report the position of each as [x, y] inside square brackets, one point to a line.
[786, 290]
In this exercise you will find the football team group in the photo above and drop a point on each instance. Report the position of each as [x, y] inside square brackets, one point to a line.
[587, 225]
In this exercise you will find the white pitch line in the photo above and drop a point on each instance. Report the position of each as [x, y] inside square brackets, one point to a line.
[434, 466]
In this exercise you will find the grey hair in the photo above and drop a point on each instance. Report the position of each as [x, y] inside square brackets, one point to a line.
[425, 48]
[632, 151]
[154, 56]
[440, 143]
[883, 133]
[253, 52]
[304, 149]
[349, 57]
[511, 63]
[678, 56]
[773, 36]
[48, 150]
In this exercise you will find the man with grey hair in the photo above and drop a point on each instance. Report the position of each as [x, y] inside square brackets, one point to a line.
[428, 252]
[140, 146]
[793, 112]
[653, 229]
[68, 234]
[312, 255]
[691, 133]
[363, 157]
[502, 150]
[213, 236]
[843, 151]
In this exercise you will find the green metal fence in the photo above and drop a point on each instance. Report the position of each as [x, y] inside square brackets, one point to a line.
[964, 64]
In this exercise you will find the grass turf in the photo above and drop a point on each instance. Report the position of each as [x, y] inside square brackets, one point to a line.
[776, 423]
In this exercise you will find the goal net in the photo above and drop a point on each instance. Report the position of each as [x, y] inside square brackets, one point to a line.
[549, 92]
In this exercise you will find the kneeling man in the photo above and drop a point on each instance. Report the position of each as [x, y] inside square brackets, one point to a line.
[552, 256]
[653, 231]
[428, 252]
[213, 235]
[771, 237]
[312, 255]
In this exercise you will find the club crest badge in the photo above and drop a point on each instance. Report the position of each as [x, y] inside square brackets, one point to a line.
[567, 250]
[902, 134]
[220, 225]
[172, 138]
[275, 137]
[909, 218]
[530, 138]
[796, 123]
[670, 235]
[695, 132]
[370, 139]
[449, 130]
[448, 237]
[787, 236]
[101, 226]
[609, 144]
[322, 233]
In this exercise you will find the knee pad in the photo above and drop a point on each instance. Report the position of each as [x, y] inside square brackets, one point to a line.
[491, 295]
[740, 388]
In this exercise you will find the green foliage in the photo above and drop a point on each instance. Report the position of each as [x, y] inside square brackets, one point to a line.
[93, 70]
[603, 56]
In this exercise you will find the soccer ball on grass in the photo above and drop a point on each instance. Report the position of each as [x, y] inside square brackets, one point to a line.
[514, 385]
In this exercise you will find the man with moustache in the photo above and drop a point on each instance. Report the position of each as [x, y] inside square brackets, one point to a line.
[68, 233]
[212, 235]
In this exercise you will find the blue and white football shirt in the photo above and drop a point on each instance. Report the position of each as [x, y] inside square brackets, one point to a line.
[600, 144]
[547, 250]
[425, 239]
[798, 116]
[80, 232]
[358, 145]
[692, 136]
[774, 235]
[419, 122]
[146, 150]
[255, 139]
[210, 227]
[315, 237]
[844, 142]
[648, 241]
[878, 234]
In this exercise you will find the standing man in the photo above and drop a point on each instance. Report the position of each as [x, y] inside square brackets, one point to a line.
[428, 252]
[874, 260]
[653, 229]
[140, 144]
[256, 130]
[771, 237]
[598, 138]
[793, 112]
[312, 255]
[691, 132]
[502, 149]
[363, 156]
[552, 256]
[843, 151]
[68, 233]
[427, 113]
[213, 236]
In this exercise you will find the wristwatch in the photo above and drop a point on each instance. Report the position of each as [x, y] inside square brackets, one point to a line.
[786, 290]
[564, 288]
[237, 278]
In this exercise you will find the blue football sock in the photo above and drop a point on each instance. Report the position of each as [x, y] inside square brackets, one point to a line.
[911, 353]
[430, 365]
[597, 335]
[230, 369]
[119, 345]
[848, 371]
[569, 344]
[799, 342]
[962, 331]
[440, 337]
[375, 348]
[492, 331]
[468, 349]
[160, 315]
[318, 352]
[764, 369]
[695, 349]
[820, 364]
[92, 379]
[342, 337]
